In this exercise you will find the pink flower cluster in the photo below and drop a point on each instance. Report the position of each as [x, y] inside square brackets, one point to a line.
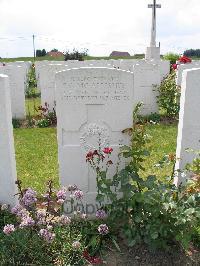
[101, 214]
[47, 235]
[61, 196]
[78, 194]
[27, 221]
[29, 197]
[8, 229]
[64, 220]
[76, 245]
[103, 229]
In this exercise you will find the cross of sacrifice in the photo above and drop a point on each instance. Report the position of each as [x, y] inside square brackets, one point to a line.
[153, 28]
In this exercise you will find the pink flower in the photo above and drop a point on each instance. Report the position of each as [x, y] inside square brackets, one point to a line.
[64, 220]
[29, 197]
[8, 229]
[62, 194]
[16, 209]
[103, 229]
[27, 222]
[78, 194]
[47, 235]
[76, 244]
[101, 214]
[108, 150]
[174, 66]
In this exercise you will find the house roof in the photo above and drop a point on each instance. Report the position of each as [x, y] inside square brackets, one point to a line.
[118, 53]
[55, 54]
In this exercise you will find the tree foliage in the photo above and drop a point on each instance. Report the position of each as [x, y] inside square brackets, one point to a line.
[192, 52]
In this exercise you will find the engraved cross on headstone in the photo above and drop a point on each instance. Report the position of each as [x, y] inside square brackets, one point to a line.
[153, 28]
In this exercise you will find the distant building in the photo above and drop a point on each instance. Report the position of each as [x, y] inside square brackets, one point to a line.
[55, 54]
[119, 54]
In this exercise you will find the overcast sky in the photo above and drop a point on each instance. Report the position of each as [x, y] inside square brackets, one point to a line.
[99, 25]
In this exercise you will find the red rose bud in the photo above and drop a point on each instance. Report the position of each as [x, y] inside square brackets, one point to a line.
[89, 156]
[174, 66]
[107, 150]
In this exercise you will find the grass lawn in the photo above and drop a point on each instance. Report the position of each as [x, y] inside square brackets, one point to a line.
[36, 153]
[36, 156]
[31, 105]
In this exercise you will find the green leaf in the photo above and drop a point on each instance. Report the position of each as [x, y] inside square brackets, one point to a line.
[154, 235]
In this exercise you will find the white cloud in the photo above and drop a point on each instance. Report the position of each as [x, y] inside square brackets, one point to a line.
[101, 26]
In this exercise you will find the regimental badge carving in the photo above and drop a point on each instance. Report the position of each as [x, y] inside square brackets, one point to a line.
[94, 136]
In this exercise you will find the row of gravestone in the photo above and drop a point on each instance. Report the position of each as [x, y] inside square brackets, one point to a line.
[94, 105]
[147, 75]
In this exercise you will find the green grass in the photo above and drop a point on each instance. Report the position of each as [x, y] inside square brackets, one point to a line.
[163, 141]
[49, 58]
[36, 153]
[31, 106]
[36, 156]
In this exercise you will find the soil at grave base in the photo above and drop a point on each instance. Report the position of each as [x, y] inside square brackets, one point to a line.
[141, 256]
[169, 121]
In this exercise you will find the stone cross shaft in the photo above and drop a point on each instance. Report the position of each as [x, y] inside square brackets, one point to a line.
[153, 28]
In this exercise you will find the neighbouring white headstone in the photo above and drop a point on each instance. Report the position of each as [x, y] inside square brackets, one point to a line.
[47, 84]
[189, 121]
[92, 104]
[183, 67]
[164, 68]
[147, 77]
[8, 174]
[17, 77]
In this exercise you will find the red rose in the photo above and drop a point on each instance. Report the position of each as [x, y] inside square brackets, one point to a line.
[184, 59]
[174, 66]
[107, 150]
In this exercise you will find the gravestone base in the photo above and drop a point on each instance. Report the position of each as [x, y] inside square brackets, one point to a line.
[152, 53]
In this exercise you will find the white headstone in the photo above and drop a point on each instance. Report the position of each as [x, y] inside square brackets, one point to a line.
[8, 174]
[92, 103]
[47, 83]
[189, 120]
[183, 67]
[17, 84]
[146, 77]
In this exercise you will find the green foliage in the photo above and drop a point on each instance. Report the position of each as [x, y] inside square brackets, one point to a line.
[153, 118]
[172, 57]
[148, 211]
[31, 90]
[48, 117]
[76, 55]
[40, 53]
[43, 123]
[16, 123]
[169, 96]
[54, 50]
[23, 248]
[42, 235]
[192, 53]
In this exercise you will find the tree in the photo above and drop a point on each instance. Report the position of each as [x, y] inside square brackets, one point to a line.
[54, 50]
[172, 57]
[76, 55]
[192, 52]
[40, 53]
[43, 52]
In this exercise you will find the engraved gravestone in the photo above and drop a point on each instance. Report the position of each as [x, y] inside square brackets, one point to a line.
[93, 106]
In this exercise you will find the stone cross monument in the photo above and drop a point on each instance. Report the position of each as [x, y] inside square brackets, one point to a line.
[153, 52]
